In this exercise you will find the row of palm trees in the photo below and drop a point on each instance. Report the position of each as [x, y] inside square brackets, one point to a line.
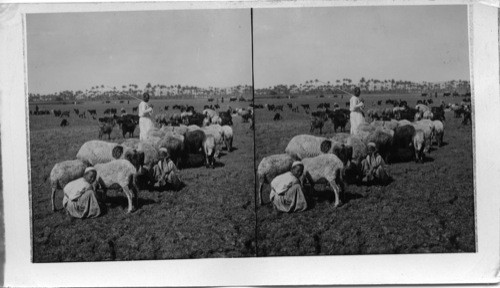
[313, 86]
[368, 85]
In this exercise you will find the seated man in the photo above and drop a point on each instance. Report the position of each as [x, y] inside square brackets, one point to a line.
[373, 166]
[286, 192]
[165, 173]
[80, 199]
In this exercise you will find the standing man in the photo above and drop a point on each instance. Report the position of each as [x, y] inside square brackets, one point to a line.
[286, 192]
[356, 108]
[145, 117]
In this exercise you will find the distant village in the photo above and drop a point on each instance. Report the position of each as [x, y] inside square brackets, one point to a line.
[310, 87]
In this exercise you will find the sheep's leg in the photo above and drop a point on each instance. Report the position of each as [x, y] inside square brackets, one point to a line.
[135, 190]
[259, 192]
[54, 188]
[129, 195]
[336, 191]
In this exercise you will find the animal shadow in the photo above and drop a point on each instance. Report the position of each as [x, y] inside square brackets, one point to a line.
[144, 202]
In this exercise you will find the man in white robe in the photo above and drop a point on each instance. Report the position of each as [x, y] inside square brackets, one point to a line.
[145, 117]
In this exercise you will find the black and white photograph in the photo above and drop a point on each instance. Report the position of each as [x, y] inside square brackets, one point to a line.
[140, 139]
[363, 131]
[250, 143]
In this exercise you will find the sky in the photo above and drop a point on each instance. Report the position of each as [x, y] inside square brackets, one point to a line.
[75, 51]
[414, 43]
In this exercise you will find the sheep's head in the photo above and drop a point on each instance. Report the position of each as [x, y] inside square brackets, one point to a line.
[325, 146]
[343, 152]
[351, 172]
[117, 151]
[135, 157]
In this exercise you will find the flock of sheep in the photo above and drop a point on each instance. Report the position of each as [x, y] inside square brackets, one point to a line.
[129, 163]
[338, 159]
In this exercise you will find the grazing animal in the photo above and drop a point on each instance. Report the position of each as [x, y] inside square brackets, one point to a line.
[128, 124]
[64, 123]
[228, 137]
[419, 145]
[270, 167]
[106, 128]
[427, 126]
[317, 123]
[64, 172]
[193, 143]
[438, 132]
[277, 117]
[307, 146]
[325, 166]
[209, 147]
[218, 133]
[120, 172]
[339, 120]
[402, 142]
[467, 116]
[175, 148]
[96, 151]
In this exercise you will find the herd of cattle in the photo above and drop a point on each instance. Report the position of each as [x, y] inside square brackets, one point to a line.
[400, 133]
[191, 138]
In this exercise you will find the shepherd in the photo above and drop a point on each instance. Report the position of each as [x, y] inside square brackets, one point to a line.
[145, 117]
[286, 190]
[356, 107]
[80, 198]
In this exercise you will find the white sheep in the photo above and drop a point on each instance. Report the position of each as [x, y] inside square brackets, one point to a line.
[270, 167]
[306, 146]
[228, 137]
[404, 122]
[193, 128]
[325, 166]
[216, 120]
[206, 122]
[438, 132]
[63, 173]
[97, 151]
[210, 113]
[218, 133]
[428, 115]
[427, 126]
[120, 172]
[419, 143]
[209, 148]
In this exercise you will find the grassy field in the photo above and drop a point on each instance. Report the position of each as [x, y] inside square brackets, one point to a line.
[428, 207]
[213, 216]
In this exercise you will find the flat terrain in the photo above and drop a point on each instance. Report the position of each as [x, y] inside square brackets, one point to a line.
[428, 207]
[213, 216]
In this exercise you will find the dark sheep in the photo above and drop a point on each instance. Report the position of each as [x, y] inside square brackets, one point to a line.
[226, 118]
[402, 143]
[106, 128]
[438, 113]
[127, 124]
[317, 123]
[195, 119]
[64, 123]
[339, 120]
[193, 143]
[277, 117]
[175, 148]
